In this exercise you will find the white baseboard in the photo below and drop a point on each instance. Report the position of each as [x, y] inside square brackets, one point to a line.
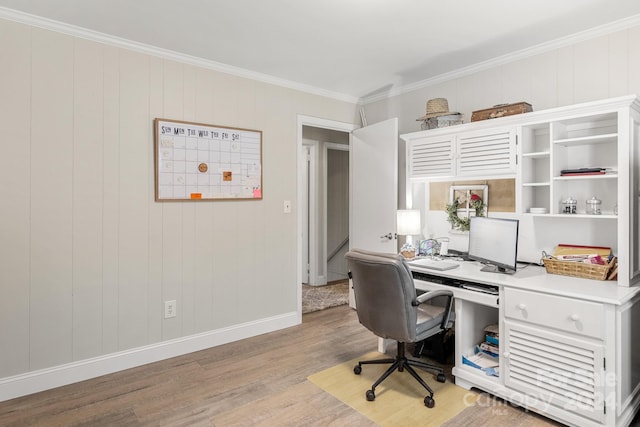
[45, 379]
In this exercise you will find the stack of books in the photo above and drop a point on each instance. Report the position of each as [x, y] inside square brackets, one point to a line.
[491, 345]
[583, 171]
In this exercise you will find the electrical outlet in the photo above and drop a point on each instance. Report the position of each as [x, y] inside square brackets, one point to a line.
[169, 309]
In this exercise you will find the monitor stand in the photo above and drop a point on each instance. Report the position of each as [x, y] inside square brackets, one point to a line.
[490, 268]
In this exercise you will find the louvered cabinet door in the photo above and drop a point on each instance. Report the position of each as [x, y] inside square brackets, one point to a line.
[431, 157]
[487, 152]
[562, 370]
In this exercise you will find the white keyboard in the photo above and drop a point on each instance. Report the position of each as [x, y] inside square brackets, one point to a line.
[434, 264]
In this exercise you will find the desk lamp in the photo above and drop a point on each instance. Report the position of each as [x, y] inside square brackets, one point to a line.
[408, 224]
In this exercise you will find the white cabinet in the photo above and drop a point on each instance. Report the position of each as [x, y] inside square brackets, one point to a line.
[602, 135]
[535, 148]
[487, 152]
[554, 350]
[448, 153]
[431, 157]
[569, 347]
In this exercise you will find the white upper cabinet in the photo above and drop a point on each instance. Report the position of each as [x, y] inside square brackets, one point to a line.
[449, 153]
[547, 151]
[487, 152]
[431, 157]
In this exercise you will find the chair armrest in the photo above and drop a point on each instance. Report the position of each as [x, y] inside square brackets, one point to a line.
[433, 294]
[438, 293]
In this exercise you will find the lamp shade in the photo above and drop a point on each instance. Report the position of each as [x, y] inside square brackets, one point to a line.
[408, 222]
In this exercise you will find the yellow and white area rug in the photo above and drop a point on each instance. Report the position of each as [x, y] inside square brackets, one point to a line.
[399, 399]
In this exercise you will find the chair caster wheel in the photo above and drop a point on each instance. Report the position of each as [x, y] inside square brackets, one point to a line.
[429, 402]
[357, 369]
[371, 396]
[441, 378]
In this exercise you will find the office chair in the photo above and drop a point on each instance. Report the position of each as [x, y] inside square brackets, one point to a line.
[387, 305]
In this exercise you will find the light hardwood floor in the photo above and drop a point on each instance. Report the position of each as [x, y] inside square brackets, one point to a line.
[261, 381]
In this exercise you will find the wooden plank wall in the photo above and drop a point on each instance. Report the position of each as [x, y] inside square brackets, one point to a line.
[87, 256]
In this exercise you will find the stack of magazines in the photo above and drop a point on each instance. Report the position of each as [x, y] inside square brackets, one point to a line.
[583, 171]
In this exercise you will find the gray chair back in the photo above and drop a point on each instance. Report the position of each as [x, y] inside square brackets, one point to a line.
[384, 293]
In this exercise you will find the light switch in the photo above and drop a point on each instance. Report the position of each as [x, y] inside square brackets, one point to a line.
[287, 206]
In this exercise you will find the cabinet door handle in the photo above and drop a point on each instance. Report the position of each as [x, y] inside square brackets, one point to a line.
[575, 317]
[506, 354]
[521, 306]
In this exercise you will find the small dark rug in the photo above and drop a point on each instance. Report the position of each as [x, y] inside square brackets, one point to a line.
[316, 298]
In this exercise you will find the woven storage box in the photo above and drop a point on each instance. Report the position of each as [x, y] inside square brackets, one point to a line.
[579, 269]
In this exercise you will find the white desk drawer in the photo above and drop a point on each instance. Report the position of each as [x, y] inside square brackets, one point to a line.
[580, 317]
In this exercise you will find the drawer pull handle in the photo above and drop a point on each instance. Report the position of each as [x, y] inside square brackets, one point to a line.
[575, 317]
[521, 306]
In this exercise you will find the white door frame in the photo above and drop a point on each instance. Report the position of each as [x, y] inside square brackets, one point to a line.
[302, 121]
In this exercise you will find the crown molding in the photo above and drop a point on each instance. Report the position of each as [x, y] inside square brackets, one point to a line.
[75, 31]
[592, 33]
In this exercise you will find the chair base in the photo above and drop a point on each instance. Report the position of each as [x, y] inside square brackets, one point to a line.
[400, 363]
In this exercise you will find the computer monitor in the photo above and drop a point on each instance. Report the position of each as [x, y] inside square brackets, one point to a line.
[494, 241]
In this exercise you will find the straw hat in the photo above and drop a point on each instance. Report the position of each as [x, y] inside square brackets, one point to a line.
[436, 107]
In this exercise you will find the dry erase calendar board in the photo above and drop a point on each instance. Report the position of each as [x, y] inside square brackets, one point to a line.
[196, 161]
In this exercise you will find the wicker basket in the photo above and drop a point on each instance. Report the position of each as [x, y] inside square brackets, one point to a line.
[408, 254]
[579, 269]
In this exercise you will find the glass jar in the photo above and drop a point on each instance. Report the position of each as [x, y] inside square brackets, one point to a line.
[594, 206]
[569, 206]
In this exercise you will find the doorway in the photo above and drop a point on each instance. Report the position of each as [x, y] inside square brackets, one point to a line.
[324, 205]
[323, 200]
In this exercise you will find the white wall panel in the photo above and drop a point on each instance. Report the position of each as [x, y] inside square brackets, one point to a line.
[111, 200]
[618, 64]
[155, 313]
[591, 70]
[565, 71]
[134, 200]
[226, 259]
[51, 199]
[517, 81]
[544, 81]
[88, 198]
[15, 171]
[203, 223]
[634, 60]
[189, 228]
[172, 224]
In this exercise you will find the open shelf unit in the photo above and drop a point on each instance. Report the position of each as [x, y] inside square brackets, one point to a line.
[585, 141]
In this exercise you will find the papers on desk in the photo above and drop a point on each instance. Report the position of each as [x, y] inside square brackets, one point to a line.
[483, 361]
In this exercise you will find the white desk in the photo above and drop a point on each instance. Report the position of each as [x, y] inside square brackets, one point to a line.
[570, 347]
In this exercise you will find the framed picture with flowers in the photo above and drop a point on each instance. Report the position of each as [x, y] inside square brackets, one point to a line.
[466, 201]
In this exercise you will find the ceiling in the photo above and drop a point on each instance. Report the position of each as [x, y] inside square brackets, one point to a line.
[350, 48]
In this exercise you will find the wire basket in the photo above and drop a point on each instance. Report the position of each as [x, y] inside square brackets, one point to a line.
[441, 122]
[580, 269]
